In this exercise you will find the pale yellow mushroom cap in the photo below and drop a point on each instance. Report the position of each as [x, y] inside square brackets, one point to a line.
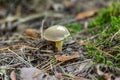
[56, 33]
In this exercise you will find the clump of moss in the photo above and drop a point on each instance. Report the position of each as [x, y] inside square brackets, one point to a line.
[105, 15]
[107, 26]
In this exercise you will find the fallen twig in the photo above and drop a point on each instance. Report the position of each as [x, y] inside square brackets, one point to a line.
[34, 16]
[17, 46]
[115, 35]
[89, 44]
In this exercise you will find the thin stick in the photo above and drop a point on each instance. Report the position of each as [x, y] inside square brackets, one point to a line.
[41, 28]
[25, 46]
[89, 44]
[34, 16]
[115, 35]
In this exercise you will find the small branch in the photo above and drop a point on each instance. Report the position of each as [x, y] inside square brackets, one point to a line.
[34, 16]
[115, 35]
[89, 44]
[41, 28]
[13, 46]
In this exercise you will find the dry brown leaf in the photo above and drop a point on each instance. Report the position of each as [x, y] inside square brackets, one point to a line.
[85, 14]
[69, 3]
[107, 76]
[66, 58]
[13, 75]
[59, 75]
[32, 33]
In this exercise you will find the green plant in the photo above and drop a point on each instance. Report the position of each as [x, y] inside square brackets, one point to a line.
[74, 27]
[107, 27]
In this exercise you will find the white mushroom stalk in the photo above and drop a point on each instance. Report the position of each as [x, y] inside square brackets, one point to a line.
[56, 34]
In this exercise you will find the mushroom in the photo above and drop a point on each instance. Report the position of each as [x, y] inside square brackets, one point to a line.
[56, 34]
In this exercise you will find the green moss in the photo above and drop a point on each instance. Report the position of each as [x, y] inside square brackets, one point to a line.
[107, 25]
[95, 55]
[74, 27]
[105, 15]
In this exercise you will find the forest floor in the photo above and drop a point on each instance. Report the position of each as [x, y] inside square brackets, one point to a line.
[90, 53]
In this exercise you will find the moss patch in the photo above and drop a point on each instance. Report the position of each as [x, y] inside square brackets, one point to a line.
[107, 27]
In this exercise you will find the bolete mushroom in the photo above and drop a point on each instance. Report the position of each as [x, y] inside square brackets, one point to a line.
[56, 34]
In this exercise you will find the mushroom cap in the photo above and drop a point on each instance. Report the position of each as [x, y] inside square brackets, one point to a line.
[56, 33]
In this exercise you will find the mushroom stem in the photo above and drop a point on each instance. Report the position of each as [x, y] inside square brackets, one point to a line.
[59, 45]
